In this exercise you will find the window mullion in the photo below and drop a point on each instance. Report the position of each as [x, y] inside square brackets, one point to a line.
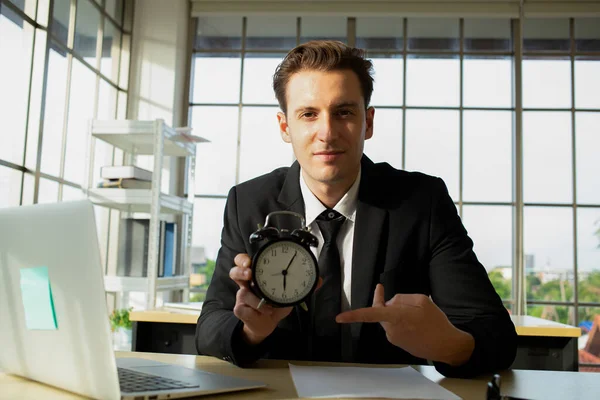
[519, 283]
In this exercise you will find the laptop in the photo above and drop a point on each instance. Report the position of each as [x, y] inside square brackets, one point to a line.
[54, 325]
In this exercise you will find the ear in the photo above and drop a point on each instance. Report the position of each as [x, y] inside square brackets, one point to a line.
[284, 129]
[370, 116]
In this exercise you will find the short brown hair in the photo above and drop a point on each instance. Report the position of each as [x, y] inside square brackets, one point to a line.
[323, 55]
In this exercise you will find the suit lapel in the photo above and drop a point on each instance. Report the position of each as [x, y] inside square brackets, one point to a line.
[370, 220]
[290, 195]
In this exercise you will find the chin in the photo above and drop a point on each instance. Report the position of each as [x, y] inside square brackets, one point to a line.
[325, 174]
[330, 178]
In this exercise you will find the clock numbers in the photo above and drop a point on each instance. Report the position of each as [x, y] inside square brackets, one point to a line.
[284, 288]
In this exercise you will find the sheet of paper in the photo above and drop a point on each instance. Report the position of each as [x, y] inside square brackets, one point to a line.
[37, 299]
[389, 383]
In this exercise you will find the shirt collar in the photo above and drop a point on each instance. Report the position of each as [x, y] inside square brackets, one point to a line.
[313, 207]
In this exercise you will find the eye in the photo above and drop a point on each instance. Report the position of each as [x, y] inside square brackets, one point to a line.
[345, 113]
[308, 114]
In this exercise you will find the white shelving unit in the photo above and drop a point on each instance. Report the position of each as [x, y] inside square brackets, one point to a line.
[139, 200]
[138, 137]
[159, 140]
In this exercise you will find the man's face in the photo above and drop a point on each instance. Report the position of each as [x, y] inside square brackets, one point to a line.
[327, 124]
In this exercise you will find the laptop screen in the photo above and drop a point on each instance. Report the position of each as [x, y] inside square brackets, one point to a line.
[53, 308]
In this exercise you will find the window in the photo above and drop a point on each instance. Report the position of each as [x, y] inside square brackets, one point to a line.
[233, 105]
[445, 105]
[16, 39]
[87, 67]
[561, 192]
[438, 112]
[433, 103]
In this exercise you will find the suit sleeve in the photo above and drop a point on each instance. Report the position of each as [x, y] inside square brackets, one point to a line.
[461, 288]
[218, 331]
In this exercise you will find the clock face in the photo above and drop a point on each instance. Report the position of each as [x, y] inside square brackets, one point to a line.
[285, 272]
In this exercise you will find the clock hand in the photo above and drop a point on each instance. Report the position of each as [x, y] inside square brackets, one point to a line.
[291, 261]
[284, 272]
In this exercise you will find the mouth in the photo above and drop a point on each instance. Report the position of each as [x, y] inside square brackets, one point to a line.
[328, 155]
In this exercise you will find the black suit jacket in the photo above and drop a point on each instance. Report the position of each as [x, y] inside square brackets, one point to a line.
[408, 236]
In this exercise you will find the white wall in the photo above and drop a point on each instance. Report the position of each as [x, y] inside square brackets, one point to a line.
[158, 70]
[159, 60]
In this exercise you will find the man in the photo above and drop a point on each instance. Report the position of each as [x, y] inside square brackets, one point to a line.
[406, 287]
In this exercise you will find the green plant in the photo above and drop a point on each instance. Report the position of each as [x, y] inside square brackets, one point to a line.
[120, 319]
[196, 297]
[209, 269]
[501, 285]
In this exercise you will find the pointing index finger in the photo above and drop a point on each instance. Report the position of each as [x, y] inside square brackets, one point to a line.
[367, 314]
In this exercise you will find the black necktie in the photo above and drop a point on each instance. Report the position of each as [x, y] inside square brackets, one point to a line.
[328, 299]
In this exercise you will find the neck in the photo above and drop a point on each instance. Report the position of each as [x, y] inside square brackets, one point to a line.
[329, 193]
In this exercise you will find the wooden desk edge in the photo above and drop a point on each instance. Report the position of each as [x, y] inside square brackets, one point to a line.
[552, 331]
[165, 316]
[191, 317]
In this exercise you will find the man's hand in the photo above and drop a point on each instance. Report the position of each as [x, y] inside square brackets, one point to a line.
[258, 323]
[414, 323]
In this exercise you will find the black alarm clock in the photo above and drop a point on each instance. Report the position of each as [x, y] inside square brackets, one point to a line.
[285, 271]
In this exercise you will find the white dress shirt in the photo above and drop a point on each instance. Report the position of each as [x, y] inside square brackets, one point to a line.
[347, 207]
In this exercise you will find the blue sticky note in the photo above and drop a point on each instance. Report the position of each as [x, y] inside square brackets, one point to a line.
[37, 299]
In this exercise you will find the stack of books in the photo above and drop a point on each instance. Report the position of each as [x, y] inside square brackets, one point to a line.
[133, 248]
[125, 177]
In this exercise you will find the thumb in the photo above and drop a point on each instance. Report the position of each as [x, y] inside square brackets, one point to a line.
[378, 297]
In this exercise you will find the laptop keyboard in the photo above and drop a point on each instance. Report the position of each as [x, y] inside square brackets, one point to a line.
[134, 381]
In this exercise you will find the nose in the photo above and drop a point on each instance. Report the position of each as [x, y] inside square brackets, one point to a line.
[326, 128]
